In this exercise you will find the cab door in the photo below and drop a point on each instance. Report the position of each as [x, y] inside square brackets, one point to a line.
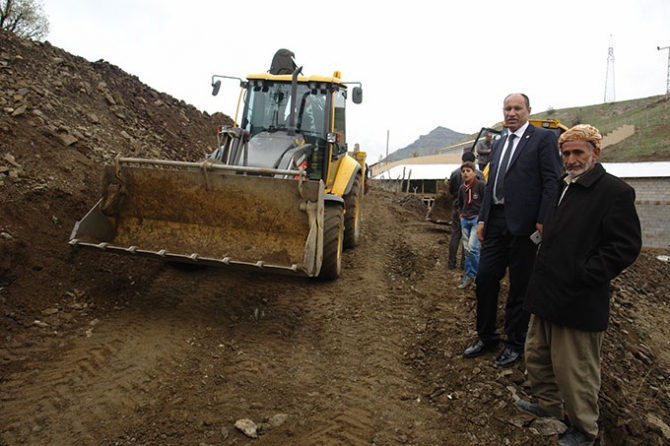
[338, 145]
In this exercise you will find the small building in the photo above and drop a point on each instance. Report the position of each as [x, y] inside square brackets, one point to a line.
[424, 180]
[651, 182]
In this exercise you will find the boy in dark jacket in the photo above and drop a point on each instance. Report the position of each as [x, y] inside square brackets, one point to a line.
[470, 196]
[454, 183]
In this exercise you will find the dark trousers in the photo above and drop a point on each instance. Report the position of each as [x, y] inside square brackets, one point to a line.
[455, 240]
[501, 250]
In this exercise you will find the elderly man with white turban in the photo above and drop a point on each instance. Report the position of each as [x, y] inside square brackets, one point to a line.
[591, 233]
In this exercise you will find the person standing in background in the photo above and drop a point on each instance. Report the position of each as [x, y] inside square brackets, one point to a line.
[455, 181]
[484, 151]
[470, 196]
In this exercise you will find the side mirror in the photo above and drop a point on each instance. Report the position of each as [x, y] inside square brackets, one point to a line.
[333, 138]
[357, 95]
[216, 86]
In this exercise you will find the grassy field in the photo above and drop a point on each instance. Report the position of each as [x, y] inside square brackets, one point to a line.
[650, 116]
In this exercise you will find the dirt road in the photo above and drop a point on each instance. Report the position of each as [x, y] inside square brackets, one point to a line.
[157, 355]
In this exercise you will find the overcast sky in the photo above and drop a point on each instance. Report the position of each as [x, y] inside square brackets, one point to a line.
[423, 64]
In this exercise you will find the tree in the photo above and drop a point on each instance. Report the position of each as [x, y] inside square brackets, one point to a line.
[25, 18]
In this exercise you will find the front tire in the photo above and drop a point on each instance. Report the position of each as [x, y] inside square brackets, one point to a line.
[333, 235]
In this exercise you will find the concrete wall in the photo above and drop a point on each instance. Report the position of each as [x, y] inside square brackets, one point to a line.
[652, 200]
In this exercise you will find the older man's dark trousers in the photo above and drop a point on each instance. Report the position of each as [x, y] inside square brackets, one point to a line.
[501, 250]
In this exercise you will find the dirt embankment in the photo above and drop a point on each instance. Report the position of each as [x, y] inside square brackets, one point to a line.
[102, 349]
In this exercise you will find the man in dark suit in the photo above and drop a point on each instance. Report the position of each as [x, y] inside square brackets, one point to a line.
[523, 173]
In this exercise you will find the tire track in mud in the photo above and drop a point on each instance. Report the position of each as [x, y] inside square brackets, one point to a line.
[367, 330]
[106, 371]
[287, 347]
[112, 369]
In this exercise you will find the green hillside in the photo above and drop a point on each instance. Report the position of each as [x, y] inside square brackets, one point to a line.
[650, 116]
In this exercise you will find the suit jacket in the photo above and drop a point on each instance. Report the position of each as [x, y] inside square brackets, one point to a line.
[587, 241]
[530, 180]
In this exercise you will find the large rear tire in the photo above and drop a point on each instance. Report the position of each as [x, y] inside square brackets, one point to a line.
[333, 232]
[353, 203]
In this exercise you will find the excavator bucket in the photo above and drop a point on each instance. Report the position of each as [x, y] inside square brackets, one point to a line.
[442, 207]
[209, 214]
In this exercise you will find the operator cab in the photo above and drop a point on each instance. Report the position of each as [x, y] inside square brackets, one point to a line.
[310, 125]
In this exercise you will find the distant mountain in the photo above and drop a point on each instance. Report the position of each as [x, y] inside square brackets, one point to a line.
[428, 144]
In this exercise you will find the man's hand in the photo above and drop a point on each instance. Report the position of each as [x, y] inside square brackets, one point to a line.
[480, 231]
[539, 226]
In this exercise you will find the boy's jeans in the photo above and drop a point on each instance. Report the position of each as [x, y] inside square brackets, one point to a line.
[470, 246]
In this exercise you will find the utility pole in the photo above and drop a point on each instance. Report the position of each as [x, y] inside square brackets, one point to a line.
[609, 76]
[667, 88]
[387, 147]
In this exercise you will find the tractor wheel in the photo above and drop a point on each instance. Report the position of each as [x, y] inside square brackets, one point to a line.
[353, 203]
[333, 228]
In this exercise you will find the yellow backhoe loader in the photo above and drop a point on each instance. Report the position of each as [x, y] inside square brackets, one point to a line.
[280, 193]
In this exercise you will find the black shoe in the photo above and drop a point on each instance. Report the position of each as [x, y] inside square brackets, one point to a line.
[575, 437]
[533, 409]
[450, 266]
[508, 358]
[479, 348]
